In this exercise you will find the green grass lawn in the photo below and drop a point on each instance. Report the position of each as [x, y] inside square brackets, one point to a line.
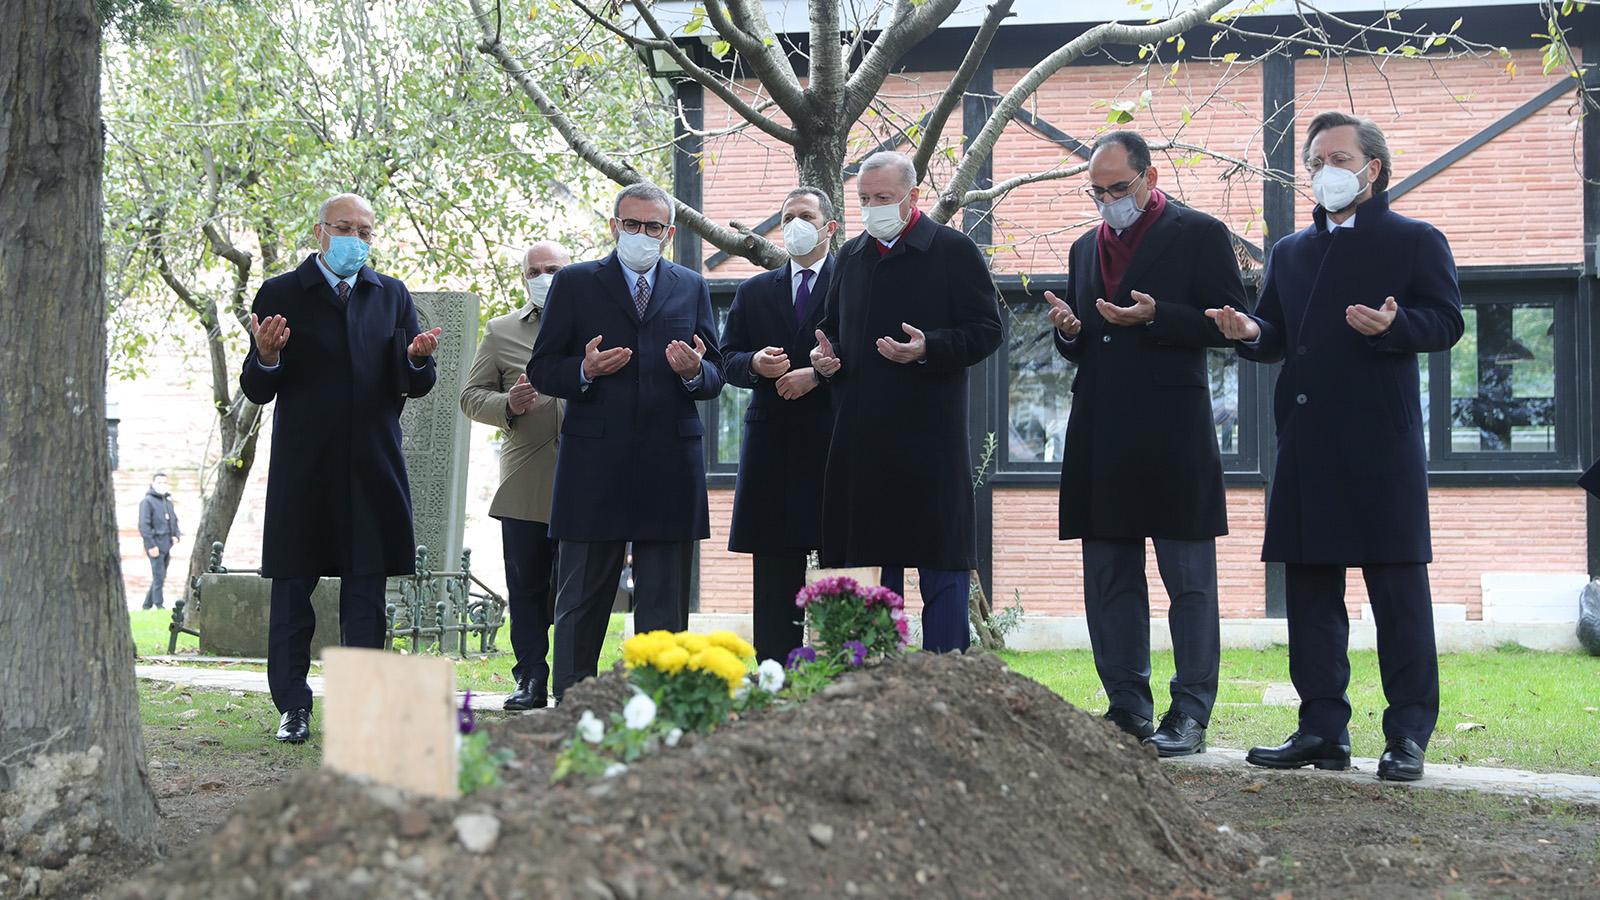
[1540, 711]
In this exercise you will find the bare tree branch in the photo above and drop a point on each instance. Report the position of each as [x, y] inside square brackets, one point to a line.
[738, 242]
[956, 90]
[1239, 164]
[713, 83]
[911, 23]
[827, 73]
[766, 59]
[1107, 33]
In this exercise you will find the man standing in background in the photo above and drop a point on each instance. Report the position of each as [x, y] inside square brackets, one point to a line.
[158, 525]
[497, 393]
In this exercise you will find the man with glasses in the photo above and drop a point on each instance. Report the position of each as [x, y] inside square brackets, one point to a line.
[1140, 460]
[1346, 306]
[338, 503]
[497, 393]
[910, 308]
[630, 343]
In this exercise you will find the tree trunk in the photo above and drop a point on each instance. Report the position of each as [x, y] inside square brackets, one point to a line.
[222, 505]
[72, 770]
[819, 162]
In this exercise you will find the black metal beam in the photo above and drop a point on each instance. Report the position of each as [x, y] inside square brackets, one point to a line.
[688, 177]
[1034, 123]
[986, 382]
[1278, 209]
[1506, 122]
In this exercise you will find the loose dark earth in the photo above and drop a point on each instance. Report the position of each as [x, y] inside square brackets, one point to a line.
[930, 776]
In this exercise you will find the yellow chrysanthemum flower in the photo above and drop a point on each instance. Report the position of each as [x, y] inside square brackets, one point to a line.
[731, 642]
[691, 642]
[640, 649]
[721, 662]
[670, 660]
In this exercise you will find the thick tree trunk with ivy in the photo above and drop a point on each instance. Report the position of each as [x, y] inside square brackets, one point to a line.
[72, 770]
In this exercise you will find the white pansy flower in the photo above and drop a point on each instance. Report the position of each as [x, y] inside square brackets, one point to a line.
[590, 728]
[770, 676]
[639, 712]
[614, 770]
[673, 737]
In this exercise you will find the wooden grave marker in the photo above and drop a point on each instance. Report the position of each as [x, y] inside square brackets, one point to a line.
[391, 718]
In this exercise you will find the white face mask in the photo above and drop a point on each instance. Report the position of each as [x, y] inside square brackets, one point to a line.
[800, 237]
[639, 252]
[884, 222]
[1336, 188]
[1120, 214]
[538, 289]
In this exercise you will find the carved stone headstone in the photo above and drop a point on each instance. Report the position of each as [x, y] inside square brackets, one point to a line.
[434, 431]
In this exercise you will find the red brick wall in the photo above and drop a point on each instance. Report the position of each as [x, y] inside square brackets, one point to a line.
[1475, 530]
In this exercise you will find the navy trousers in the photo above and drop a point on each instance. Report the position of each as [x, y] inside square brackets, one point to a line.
[530, 555]
[945, 599]
[1319, 638]
[1116, 599]
[362, 622]
[778, 624]
[588, 589]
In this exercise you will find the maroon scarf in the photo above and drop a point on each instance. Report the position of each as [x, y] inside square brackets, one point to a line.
[1116, 253]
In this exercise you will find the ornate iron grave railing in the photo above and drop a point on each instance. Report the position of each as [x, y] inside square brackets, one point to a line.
[428, 611]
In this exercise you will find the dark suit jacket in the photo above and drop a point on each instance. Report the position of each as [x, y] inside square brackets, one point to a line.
[1140, 458]
[338, 502]
[1351, 487]
[158, 521]
[898, 489]
[631, 465]
[777, 505]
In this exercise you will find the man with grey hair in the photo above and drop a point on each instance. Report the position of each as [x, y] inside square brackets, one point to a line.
[1347, 304]
[910, 307]
[631, 465]
[338, 503]
[497, 393]
[777, 504]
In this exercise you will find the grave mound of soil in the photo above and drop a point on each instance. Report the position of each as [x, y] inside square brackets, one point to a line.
[942, 774]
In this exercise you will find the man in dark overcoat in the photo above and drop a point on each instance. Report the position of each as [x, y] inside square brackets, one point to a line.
[631, 344]
[777, 503]
[338, 503]
[1140, 459]
[1346, 305]
[910, 308]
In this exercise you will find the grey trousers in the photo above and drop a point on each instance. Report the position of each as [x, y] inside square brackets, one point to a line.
[1117, 603]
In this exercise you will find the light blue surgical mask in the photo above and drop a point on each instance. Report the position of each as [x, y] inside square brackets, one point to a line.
[346, 254]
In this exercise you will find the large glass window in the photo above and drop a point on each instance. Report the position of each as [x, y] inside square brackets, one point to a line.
[1501, 397]
[1503, 381]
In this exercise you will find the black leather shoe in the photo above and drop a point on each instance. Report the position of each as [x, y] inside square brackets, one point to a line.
[294, 727]
[1301, 750]
[525, 697]
[1136, 725]
[1180, 734]
[1401, 760]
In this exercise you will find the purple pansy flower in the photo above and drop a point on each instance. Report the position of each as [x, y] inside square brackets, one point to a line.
[800, 655]
[466, 719]
[858, 652]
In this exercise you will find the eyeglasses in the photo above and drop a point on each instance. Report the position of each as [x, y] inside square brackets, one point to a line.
[345, 229]
[651, 229]
[1342, 160]
[1116, 191]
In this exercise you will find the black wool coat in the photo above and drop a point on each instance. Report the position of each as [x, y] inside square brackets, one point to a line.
[777, 504]
[631, 465]
[1140, 457]
[898, 487]
[1351, 487]
[338, 502]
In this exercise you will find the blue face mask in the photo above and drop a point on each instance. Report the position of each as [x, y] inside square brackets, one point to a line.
[346, 254]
